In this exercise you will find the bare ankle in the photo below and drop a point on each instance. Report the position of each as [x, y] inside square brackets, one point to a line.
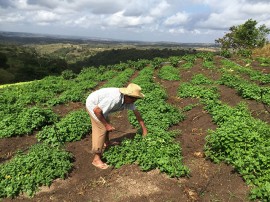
[97, 158]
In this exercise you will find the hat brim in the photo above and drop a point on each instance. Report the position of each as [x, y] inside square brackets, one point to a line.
[125, 91]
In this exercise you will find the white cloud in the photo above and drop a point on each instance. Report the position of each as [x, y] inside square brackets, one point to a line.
[177, 31]
[156, 19]
[42, 3]
[46, 16]
[234, 13]
[177, 19]
[159, 9]
[118, 19]
[257, 9]
[11, 18]
[256, 1]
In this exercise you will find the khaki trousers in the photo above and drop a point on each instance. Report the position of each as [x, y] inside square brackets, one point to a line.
[99, 135]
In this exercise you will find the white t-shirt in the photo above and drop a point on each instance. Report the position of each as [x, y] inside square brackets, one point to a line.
[109, 100]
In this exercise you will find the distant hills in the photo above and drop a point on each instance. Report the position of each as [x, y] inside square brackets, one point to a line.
[30, 38]
[28, 56]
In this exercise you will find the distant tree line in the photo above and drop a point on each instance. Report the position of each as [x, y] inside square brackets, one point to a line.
[115, 56]
[25, 64]
[22, 63]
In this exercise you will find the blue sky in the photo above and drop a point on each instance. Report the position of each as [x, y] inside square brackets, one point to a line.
[143, 20]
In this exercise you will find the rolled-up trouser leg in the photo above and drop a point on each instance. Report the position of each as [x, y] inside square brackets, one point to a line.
[99, 135]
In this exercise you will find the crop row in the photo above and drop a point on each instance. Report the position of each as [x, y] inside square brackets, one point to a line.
[21, 118]
[169, 72]
[25, 173]
[240, 139]
[46, 160]
[28, 107]
[158, 149]
[254, 75]
[246, 89]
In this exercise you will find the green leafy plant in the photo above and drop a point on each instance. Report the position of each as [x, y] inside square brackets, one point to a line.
[71, 128]
[153, 151]
[26, 121]
[120, 80]
[240, 139]
[169, 73]
[26, 172]
[157, 149]
[226, 53]
[201, 79]
[246, 89]
[264, 62]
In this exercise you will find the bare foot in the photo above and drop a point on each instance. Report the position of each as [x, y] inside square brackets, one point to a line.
[101, 165]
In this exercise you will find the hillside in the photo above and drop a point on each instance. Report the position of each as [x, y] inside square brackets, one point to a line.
[27, 56]
[27, 62]
[218, 109]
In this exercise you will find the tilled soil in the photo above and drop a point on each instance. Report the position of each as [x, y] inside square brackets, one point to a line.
[207, 181]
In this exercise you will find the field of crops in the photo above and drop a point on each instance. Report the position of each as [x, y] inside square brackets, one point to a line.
[208, 120]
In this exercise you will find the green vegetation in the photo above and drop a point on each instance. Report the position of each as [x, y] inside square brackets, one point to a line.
[71, 128]
[18, 120]
[188, 61]
[169, 73]
[121, 79]
[265, 62]
[243, 142]
[31, 62]
[23, 63]
[243, 38]
[158, 149]
[254, 75]
[246, 89]
[25, 173]
[239, 140]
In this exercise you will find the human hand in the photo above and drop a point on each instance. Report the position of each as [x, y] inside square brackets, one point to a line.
[109, 128]
[144, 132]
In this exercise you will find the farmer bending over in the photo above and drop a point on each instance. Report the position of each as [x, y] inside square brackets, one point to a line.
[99, 105]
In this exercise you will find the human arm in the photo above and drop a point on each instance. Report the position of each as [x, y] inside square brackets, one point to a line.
[99, 114]
[141, 122]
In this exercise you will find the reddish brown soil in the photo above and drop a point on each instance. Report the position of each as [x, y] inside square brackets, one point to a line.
[207, 181]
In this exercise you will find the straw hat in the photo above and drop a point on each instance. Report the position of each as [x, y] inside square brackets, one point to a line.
[132, 90]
